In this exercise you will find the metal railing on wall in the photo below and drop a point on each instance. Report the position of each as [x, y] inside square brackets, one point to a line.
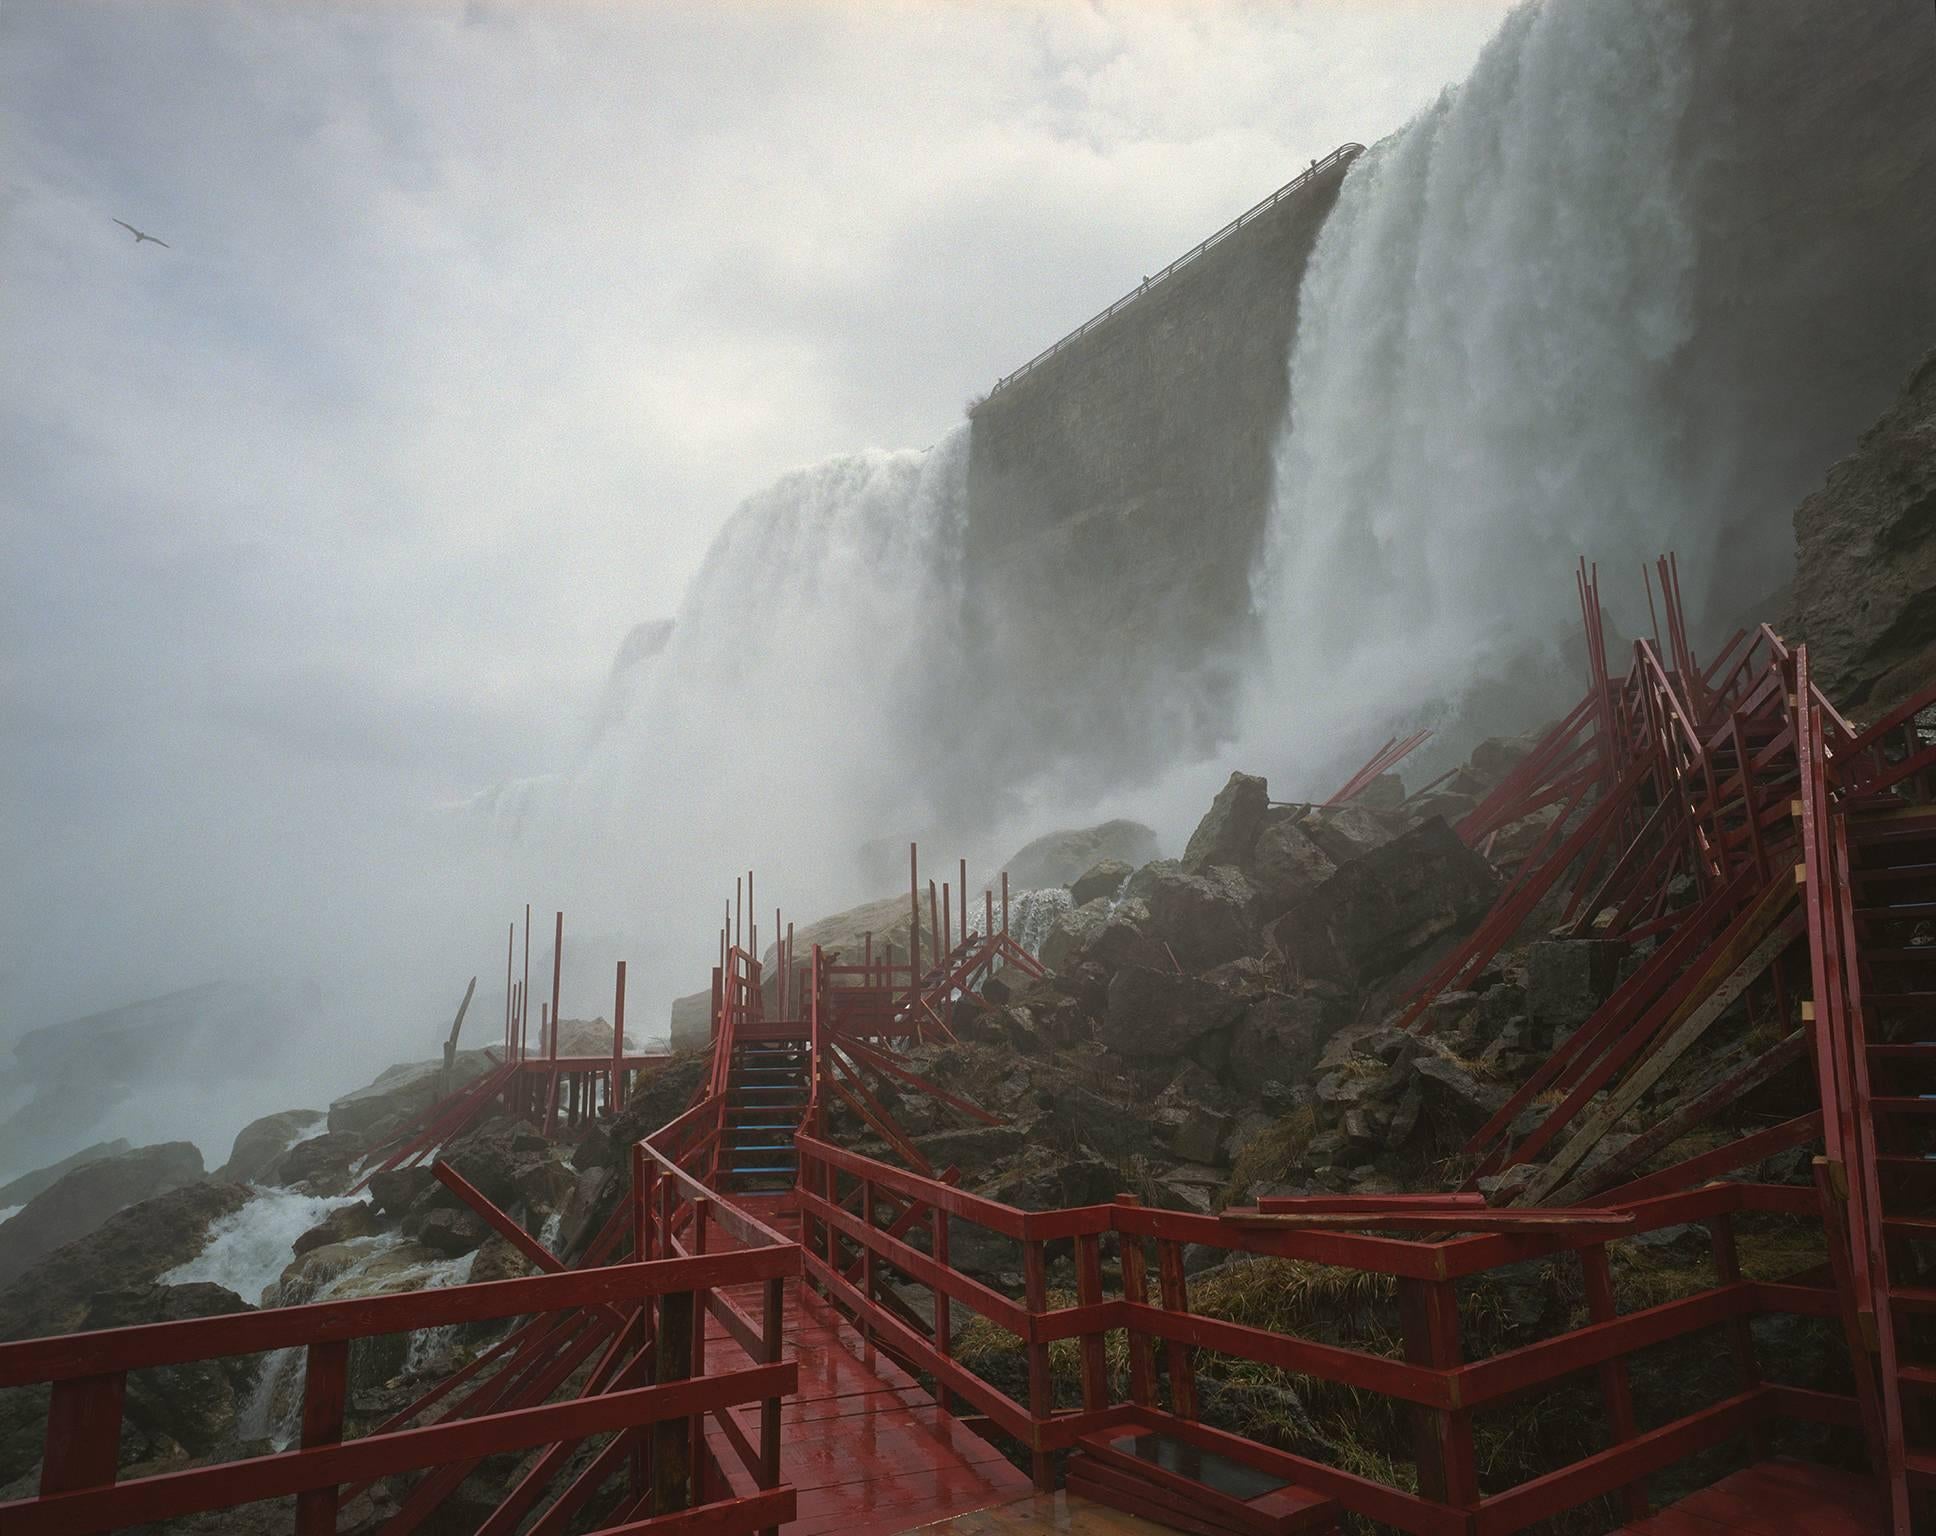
[1317, 168]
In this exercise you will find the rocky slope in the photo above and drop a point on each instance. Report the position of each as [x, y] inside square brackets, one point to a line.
[1865, 567]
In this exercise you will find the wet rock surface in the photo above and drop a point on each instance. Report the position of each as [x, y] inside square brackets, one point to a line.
[81, 1199]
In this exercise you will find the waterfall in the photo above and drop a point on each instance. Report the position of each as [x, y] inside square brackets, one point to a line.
[786, 715]
[1579, 306]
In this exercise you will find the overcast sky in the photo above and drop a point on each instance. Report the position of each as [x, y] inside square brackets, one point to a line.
[474, 325]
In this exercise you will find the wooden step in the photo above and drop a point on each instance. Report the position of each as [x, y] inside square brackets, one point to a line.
[1921, 1467]
[1909, 1226]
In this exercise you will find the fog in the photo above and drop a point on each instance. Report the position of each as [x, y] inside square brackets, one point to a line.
[473, 328]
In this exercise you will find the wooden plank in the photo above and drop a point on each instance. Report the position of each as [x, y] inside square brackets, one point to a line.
[1695, 1017]
[82, 1445]
[1615, 1392]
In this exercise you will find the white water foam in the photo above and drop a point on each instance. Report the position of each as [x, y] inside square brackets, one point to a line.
[248, 1249]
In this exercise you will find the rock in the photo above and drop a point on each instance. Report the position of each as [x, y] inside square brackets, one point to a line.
[497, 1157]
[974, 1150]
[1194, 1132]
[1343, 833]
[1382, 909]
[1514, 842]
[1228, 831]
[1113, 1129]
[1160, 1013]
[1286, 867]
[1101, 880]
[24, 1188]
[594, 1149]
[1145, 878]
[1060, 858]
[1083, 1179]
[1496, 757]
[81, 1199]
[194, 1404]
[1865, 560]
[691, 1025]
[132, 1248]
[321, 1165]
[1071, 933]
[1405, 1116]
[393, 1191]
[1454, 1092]
[452, 1233]
[261, 1142]
[1567, 979]
[1205, 918]
[498, 1260]
[1384, 793]
[342, 1224]
[402, 1091]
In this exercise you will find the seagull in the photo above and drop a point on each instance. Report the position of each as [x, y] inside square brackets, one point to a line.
[139, 236]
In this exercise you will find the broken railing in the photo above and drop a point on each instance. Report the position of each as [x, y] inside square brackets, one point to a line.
[858, 1216]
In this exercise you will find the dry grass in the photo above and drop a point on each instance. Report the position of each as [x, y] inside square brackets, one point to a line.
[1271, 1156]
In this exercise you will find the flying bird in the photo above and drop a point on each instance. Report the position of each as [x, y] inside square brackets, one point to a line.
[139, 236]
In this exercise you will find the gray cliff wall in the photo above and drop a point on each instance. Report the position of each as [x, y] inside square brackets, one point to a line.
[1116, 496]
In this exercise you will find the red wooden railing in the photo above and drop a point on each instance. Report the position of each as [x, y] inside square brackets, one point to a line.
[854, 1206]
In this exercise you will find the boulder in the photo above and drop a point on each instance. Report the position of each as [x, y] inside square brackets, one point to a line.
[1229, 829]
[1278, 1038]
[498, 1260]
[1071, 933]
[1388, 906]
[395, 1190]
[195, 1404]
[1101, 880]
[1384, 793]
[691, 1025]
[1497, 756]
[1456, 1093]
[261, 1142]
[1114, 1129]
[132, 1248]
[499, 1157]
[1286, 867]
[1346, 832]
[1567, 979]
[594, 1148]
[1160, 1013]
[401, 1092]
[1206, 918]
[358, 1219]
[81, 1199]
[24, 1188]
[452, 1233]
[1059, 858]
[321, 1165]
[1145, 878]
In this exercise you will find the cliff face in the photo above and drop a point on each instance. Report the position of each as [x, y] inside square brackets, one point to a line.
[1865, 549]
[1117, 495]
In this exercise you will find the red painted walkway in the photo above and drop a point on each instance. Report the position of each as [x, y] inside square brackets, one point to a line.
[868, 1451]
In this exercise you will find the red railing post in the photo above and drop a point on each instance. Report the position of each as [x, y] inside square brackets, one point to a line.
[1429, 1315]
[1175, 1293]
[1041, 1379]
[1614, 1388]
[326, 1379]
[943, 1307]
[1142, 1357]
[1095, 1364]
[82, 1448]
[772, 1319]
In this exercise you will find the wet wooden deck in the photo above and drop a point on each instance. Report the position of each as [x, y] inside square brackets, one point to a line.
[1777, 1498]
[870, 1453]
[867, 1450]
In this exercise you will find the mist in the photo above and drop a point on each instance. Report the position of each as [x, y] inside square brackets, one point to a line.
[474, 327]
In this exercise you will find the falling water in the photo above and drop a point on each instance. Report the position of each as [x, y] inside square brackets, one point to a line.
[785, 716]
[1577, 307]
